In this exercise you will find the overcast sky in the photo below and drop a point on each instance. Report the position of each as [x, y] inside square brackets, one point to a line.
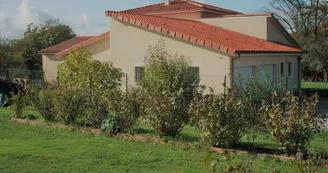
[86, 17]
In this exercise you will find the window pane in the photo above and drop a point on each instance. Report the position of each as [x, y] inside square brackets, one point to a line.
[195, 72]
[139, 73]
[282, 69]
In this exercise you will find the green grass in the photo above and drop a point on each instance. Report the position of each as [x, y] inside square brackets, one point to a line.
[316, 85]
[27, 148]
[260, 142]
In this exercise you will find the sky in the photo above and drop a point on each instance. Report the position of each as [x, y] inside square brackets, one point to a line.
[87, 17]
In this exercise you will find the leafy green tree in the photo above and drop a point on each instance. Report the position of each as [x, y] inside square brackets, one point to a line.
[38, 37]
[8, 58]
[168, 84]
[99, 80]
[307, 21]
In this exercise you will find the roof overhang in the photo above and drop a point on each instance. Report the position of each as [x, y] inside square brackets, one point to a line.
[258, 54]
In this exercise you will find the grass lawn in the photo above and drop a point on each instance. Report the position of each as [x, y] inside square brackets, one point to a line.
[27, 148]
[316, 85]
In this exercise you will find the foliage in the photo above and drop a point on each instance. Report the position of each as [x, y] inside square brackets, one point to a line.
[38, 37]
[222, 166]
[291, 123]
[258, 91]
[223, 119]
[44, 103]
[81, 71]
[311, 164]
[307, 21]
[167, 85]
[99, 80]
[8, 58]
[111, 124]
[68, 104]
[19, 102]
[127, 107]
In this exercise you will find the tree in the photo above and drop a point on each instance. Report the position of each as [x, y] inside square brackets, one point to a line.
[8, 58]
[38, 37]
[307, 21]
[168, 85]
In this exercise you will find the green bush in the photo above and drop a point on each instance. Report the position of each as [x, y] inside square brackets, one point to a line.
[127, 107]
[80, 72]
[293, 123]
[167, 85]
[111, 125]
[19, 102]
[258, 93]
[69, 104]
[223, 119]
[44, 103]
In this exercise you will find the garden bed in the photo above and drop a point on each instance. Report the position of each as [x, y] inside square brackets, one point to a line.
[150, 139]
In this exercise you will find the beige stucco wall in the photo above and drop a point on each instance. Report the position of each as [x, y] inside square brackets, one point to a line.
[129, 45]
[182, 15]
[274, 60]
[252, 26]
[49, 65]
[276, 34]
[262, 27]
[100, 51]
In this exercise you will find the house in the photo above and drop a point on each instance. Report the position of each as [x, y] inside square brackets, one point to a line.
[219, 42]
[54, 55]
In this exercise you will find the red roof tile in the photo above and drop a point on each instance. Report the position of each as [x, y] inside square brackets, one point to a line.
[64, 45]
[179, 5]
[82, 44]
[204, 34]
[249, 15]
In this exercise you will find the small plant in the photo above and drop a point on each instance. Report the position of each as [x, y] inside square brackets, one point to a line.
[312, 164]
[19, 102]
[222, 166]
[111, 125]
[44, 103]
[223, 119]
[127, 106]
[293, 123]
[68, 104]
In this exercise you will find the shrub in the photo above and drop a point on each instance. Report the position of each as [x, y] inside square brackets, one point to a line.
[96, 79]
[167, 85]
[111, 125]
[19, 102]
[43, 102]
[223, 119]
[292, 123]
[127, 107]
[258, 92]
[68, 104]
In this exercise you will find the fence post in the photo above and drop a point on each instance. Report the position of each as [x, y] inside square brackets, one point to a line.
[286, 84]
[171, 82]
[224, 85]
[126, 83]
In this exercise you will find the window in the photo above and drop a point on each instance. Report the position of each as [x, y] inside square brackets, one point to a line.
[282, 69]
[289, 68]
[139, 73]
[195, 72]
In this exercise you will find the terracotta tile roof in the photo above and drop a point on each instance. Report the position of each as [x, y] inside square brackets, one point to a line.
[249, 15]
[82, 44]
[179, 5]
[65, 47]
[204, 34]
